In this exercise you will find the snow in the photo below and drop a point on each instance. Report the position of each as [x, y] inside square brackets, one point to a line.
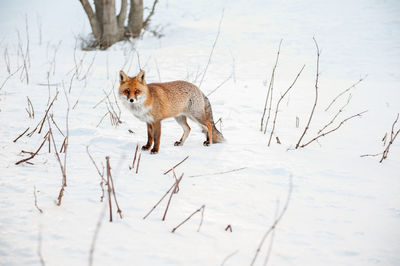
[343, 210]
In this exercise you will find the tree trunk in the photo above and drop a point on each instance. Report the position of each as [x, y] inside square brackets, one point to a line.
[109, 28]
[135, 23]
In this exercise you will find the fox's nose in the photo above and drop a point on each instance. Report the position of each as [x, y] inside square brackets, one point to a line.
[131, 100]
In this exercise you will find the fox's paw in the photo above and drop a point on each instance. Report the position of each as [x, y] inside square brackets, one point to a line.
[178, 143]
[145, 147]
[154, 151]
[206, 143]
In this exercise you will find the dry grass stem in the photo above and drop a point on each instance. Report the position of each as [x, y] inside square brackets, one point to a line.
[174, 191]
[30, 110]
[138, 163]
[316, 96]
[392, 138]
[134, 158]
[95, 235]
[173, 168]
[275, 223]
[15, 140]
[279, 101]
[271, 84]
[201, 209]
[9, 76]
[101, 174]
[212, 49]
[343, 92]
[220, 85]
[36, 205]
[155, 206]
[332, 130]
[39, 248]
[32, 154]
[337, 114]
[220, 173]
[228, 257]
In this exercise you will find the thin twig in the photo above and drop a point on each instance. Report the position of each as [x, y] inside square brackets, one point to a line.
[9, 76]
[277, 105]
[113, 187]
[95, 235]
[36, 205]
[271, 82]
[138, 162]
[39, 247]
[184, 221]
[32, 155]
[332, 130]
[100, 174]
[174, 191]
[134, 158]
[346, 90]
[337, 114]
[220, 173]
[155, 206]
[220, 85]
[271, 241]
[109, 187]
[275, 223]
[15, 140]
[228, 257]
[173, 168]
[212, 49]
[316, 96]
[392, 138]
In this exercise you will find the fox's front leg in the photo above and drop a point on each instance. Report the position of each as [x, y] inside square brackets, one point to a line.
[156, 135]
[150, 137]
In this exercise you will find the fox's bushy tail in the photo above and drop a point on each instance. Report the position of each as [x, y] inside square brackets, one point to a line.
[217, 136]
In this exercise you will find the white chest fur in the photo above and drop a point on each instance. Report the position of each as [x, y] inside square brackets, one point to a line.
[140, 111]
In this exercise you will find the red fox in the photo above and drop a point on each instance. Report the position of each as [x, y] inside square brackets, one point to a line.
[154, 102]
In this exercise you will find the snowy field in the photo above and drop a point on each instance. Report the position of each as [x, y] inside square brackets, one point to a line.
[343, 209]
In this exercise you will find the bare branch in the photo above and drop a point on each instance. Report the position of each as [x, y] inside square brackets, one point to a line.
[184, 221]
[228, 257]
[155, 206]
[212, 49]
[102, 179]
[346, 90]
[176, 187]
[392, 138]
[277, 105]
[147, 20]
[271, 84]
[275, 223]
[337, 114]
[332, 130]
[220, 173]
[36, 205]
[173, 168]
[95, 235]
[316, 96]
[33, 154]
[15, 140]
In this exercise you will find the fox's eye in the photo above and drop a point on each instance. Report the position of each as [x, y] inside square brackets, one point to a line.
[126, 91]
[137, 92]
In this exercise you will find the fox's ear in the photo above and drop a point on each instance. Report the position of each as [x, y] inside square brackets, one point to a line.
[122, 77]
[140, 77]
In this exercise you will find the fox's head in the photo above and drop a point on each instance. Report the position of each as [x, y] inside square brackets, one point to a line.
[132, 90]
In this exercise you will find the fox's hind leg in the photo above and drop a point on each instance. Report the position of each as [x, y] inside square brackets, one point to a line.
[150, 137]
[186, 129]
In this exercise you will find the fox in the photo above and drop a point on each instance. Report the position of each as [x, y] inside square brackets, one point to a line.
[151, 103]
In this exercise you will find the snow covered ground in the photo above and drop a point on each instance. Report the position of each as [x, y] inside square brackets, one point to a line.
[343, 209]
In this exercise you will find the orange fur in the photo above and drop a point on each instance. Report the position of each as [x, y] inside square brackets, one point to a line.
[154, 102]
